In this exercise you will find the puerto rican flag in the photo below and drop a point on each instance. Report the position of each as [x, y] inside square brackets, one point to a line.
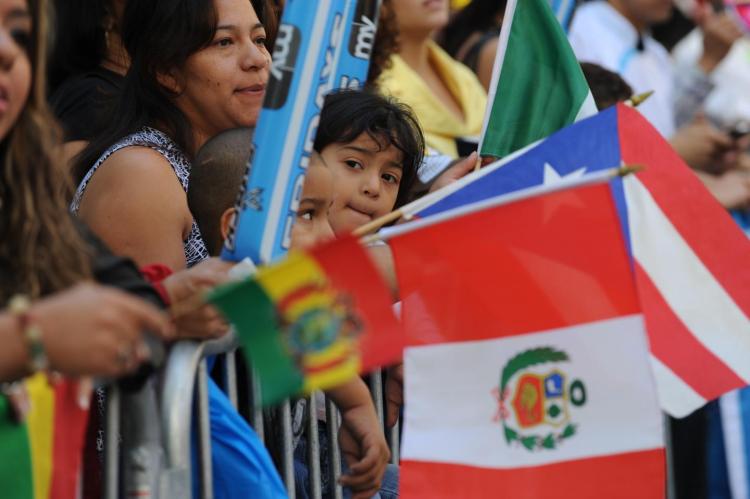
[689, 258]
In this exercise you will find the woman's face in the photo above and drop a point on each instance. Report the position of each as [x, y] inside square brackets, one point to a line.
[222, 86]
[15, 67]
[420, 17]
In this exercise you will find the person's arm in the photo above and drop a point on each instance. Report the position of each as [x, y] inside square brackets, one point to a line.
[361, 439]
[88, 330]
[486, 62]
[137, 206]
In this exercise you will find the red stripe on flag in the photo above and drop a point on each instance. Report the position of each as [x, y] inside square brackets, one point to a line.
[626, 476]
[673, 344]
[67, 447]
[542, 263]
[692, 210]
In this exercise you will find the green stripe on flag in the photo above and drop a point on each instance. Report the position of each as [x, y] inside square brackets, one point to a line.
[15, 456]
[540, 87]
[249, 308]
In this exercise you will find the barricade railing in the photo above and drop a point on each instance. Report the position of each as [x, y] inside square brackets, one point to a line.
[150, 460]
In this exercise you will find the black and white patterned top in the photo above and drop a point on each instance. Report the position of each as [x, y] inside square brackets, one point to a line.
[195, 249]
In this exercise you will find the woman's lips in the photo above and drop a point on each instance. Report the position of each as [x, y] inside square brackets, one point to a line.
[252, 90]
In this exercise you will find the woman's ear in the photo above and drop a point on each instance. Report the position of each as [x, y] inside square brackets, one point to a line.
[227, 219]
[170, 81]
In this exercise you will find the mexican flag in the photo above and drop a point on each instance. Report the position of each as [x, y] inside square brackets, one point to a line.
[537, 84]
[527, 374]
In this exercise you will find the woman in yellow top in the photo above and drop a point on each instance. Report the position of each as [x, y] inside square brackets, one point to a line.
[445, 95]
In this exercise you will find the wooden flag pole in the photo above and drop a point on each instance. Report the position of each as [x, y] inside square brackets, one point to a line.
[637, 100]
[593, 178]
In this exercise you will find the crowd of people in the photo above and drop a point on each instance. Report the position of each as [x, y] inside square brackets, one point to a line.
[124, 147]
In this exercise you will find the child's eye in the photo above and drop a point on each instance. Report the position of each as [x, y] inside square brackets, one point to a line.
[390, 178]
[306, 215]
[354, 164]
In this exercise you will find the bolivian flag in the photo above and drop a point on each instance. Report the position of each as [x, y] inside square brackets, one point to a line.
[314, 320]
[41, 456]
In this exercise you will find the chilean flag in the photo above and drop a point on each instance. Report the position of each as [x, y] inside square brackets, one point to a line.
[690, 260]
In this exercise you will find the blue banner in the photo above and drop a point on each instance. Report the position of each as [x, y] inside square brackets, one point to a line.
[321, 45]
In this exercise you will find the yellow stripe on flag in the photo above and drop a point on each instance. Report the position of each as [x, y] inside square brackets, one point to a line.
[316, 299]
[330, 378]
[339, 349]
[40, 423]
[296, 271]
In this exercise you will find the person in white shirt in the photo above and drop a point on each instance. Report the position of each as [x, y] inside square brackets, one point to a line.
[615, 35]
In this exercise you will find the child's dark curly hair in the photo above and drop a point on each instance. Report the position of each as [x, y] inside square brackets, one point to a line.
[347, 114]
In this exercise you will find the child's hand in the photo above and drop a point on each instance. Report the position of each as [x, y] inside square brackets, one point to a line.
[394, 393]
[456, 171]
[364, 447]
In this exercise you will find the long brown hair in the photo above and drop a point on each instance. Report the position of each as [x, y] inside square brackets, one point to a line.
[41, 251]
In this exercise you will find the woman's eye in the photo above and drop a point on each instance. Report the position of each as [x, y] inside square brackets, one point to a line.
[261, 40]
[224, 42]
[353, 164]
[21, 37]
[306, 215]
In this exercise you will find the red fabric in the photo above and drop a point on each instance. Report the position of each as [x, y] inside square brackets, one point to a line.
[543, 263]
[67, 448]
[622, 476]
[706, 373]
[692, 210]
[155, 274]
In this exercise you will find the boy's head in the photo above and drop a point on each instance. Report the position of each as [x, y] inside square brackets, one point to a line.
[373, 147]
[312, 226]
[215, 180]
[608, 88]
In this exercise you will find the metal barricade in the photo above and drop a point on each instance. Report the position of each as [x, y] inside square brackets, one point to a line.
[186, 374]
[156, 459]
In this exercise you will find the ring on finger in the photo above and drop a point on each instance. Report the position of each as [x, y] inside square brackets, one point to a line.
[124, 355]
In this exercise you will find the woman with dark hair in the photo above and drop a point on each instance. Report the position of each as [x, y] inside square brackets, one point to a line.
[445, 95]
[197, 67]
[88, 64]
[472, 36]
[84, 331]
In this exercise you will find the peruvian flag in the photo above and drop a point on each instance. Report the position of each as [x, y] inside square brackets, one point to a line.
[528, 374]
[690, 259]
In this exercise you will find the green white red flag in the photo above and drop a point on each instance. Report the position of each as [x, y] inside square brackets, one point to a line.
[537, 84]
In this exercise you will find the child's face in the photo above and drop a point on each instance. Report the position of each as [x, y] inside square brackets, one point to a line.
[312, 225]
[366, 181]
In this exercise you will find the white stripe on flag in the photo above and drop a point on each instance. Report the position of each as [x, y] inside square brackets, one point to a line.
[451, 408]
[692, 292]
[588, 107]
[675, 395]
[734, 443]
